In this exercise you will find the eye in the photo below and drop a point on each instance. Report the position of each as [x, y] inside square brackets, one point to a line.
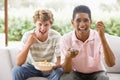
[39, 24]
[46, 25]
[78, 20]
[86, 20]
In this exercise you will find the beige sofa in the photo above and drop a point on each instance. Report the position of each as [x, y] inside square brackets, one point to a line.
[8, 54]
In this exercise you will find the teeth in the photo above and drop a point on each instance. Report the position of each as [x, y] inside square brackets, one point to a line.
[42, 32]
[82, 28]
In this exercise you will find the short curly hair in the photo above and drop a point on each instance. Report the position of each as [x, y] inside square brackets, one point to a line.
[43, 15]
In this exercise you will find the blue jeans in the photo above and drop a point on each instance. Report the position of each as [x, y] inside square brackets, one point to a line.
[27, 70]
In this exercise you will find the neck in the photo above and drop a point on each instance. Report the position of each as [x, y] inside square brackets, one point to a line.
[83, 37]
[43, 38]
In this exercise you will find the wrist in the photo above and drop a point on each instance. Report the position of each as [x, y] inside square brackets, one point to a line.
[68, 58]
[27, 45]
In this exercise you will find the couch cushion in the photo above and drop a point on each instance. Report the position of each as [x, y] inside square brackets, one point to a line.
[13, 53]
[5, 64]
[114, 76]
[114, 43]
[37, 78]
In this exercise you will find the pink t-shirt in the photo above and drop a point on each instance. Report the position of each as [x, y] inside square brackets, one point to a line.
[90, 54]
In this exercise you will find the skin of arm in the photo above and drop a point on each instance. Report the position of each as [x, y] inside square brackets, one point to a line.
[58, 61]
[22, 55]
[109, 56]
[67, 65]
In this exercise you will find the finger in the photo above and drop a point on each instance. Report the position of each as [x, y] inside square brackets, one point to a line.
[34, 35]
[100, 26]
[68, 49]
[76, 52]
[100, 23]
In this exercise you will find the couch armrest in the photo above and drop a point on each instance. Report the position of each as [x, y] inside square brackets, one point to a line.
[5, 64]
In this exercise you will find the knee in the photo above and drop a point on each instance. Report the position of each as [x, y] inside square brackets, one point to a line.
[55, 74]
[16, 70]
[103, 76]
[59, 71]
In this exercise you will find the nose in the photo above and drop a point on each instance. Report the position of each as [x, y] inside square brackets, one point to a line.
[81, 24]
[42, 28]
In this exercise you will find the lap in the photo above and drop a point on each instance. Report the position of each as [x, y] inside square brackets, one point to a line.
[28, 70]
[101, 75]
[69, 76]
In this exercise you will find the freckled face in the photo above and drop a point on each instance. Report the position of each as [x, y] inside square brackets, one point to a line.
[82, 24]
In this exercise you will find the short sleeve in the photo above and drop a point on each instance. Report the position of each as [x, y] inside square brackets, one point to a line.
[22, 45]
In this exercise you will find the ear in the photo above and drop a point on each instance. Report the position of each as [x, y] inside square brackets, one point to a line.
[72, 22]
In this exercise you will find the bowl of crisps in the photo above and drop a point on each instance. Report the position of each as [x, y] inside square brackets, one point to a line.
[44, 65]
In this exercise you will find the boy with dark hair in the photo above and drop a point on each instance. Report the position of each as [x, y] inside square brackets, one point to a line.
[82, 49]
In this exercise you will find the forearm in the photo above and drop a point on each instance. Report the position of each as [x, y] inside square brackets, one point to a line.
[22, 55]
[67, 65]
[109, 56]
[58, 60]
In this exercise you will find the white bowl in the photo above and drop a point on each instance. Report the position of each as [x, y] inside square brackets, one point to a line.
[43, 66]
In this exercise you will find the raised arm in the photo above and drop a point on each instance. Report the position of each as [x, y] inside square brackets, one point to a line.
[109, 56]
[22, 55]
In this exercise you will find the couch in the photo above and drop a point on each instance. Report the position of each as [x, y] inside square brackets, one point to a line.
[8, 55]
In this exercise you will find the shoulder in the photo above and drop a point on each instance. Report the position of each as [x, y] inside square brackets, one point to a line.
[94, 33]
[66, 40]
[67, 36]
[54, 33]
[28, 33]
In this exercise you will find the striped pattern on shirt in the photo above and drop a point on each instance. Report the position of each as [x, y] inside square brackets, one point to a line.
[46, 50]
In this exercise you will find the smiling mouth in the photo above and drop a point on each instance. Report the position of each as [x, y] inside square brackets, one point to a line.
[42, 32]
[82, 29]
